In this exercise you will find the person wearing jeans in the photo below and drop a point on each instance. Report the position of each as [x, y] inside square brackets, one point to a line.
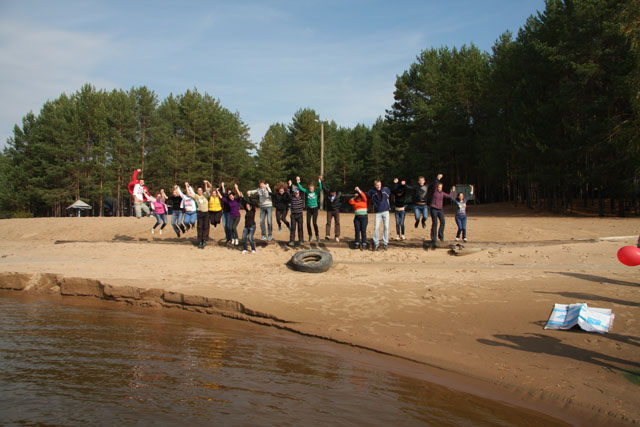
[380, 195]
[249, 227]
[420, 208]
[160, 211]
[176, 212]
[360, 218]
[461, 214]
[399, 198]
[266, 209]
[436, 212]
[234, 212]
[189, 207]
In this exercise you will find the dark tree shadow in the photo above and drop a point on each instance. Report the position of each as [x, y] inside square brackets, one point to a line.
[626, 339]
[543, 344]
[580, 296]
[597, 279]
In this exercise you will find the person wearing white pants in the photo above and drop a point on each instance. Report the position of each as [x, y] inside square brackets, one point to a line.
[380, 196]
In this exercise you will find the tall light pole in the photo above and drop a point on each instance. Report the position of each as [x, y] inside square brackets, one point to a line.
[322, 148]
[322, 159]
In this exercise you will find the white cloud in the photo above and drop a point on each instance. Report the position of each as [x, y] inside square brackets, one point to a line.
[39, 63]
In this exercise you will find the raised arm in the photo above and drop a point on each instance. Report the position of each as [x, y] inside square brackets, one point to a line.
[300, 185]
[180, 193]
[238, 192]
[452, 193]
[189, 189]
[470, 196]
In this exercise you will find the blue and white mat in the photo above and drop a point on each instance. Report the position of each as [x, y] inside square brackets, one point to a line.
[566, 316]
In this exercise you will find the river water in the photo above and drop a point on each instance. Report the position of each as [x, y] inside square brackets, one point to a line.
[97, 363]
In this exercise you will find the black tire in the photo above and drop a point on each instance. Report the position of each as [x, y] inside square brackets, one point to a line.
[312, 261]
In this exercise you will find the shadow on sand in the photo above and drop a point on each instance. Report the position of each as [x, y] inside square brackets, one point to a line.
[597, 279]
[543, 344]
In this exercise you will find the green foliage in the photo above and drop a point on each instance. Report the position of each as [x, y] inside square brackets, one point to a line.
[88, 144]
[270, 159]
[553, 113]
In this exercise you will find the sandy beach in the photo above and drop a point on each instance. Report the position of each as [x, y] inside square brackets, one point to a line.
[481, 315]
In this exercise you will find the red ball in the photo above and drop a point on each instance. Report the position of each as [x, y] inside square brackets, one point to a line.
[629, 255]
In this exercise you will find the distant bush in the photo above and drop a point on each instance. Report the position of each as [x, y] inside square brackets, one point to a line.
[22, 214]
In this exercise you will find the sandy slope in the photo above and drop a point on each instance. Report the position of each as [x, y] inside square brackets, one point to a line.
[482, 314]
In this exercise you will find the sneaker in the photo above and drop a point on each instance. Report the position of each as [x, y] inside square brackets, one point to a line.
[327, 238]
[363, 246]
[465, 240]
[204, 243]
[457, 239]
[161, 231]
[270, 238]
[424, 223]
[417, 222]
[291, 243]
[317, 239]
[310, 239]
[253, 251]
[402, 237]
[375, 248]
[357, 246]
[244, 251]
[153, 231]
[398, 237]
[385, 247]
[235, 242]
[337, 239]
[263, 238]
[279, 228]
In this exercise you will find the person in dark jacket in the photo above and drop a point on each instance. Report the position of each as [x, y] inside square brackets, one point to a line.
[281, 199]
[176, 212]
[399, 196]
[297, 207]
[420, 208]
[249, 226]
[380, 196]
[333, 209]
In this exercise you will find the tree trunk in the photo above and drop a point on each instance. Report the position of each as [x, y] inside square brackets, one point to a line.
[100, 203]
[621, 208]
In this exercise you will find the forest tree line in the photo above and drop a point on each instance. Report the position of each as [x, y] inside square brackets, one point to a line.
[550, 116]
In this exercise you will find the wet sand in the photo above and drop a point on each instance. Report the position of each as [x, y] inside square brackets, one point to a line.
[480, 315]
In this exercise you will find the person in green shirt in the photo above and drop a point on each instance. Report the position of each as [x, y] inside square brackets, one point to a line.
[313, 195]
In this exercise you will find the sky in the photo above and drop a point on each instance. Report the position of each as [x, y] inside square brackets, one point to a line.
[263, 59]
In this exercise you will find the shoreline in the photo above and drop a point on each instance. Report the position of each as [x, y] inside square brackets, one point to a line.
[480, 315]
[83, 291]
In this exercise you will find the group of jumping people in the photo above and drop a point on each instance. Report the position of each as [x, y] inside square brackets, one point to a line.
[208, 206]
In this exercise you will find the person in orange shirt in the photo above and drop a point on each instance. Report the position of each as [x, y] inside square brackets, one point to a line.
[360, 219]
